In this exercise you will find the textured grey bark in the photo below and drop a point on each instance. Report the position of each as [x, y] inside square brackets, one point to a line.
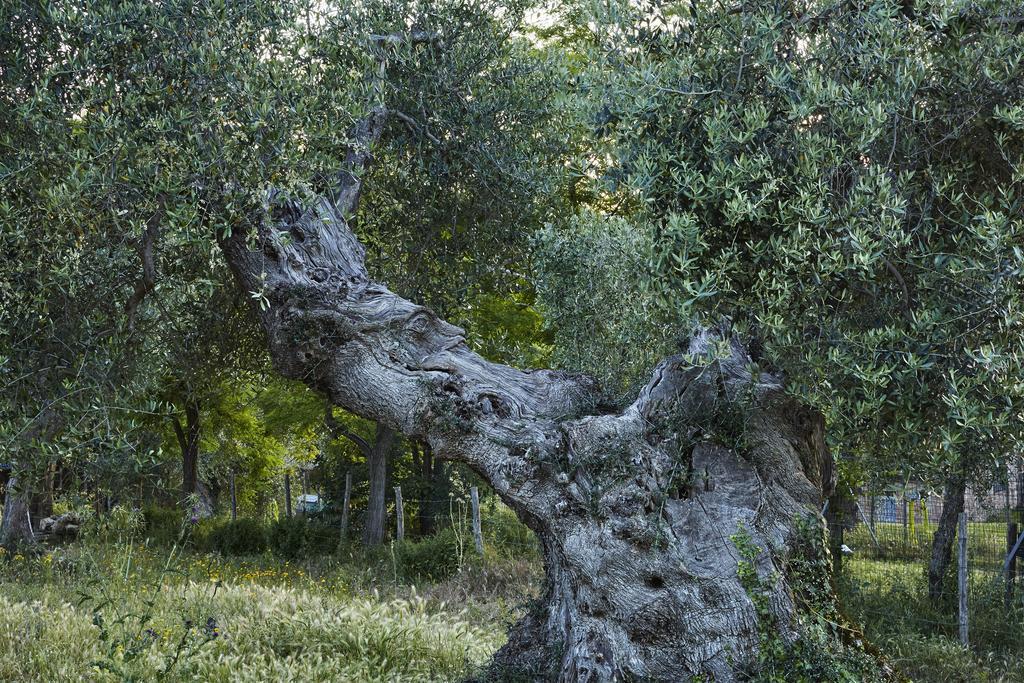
[945, 534]
[634, 509]
[16, 528]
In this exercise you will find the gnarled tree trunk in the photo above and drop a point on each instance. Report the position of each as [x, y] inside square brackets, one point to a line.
[639, 512]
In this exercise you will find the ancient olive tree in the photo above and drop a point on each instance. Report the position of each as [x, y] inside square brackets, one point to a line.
[667, 527]
[675, 529]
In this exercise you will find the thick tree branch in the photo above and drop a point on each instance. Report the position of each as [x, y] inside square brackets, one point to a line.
[337, 429]
[146, 247]
[366, 132]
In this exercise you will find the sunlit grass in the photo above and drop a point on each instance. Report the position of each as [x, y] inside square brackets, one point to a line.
[986, 541]
[273, 621]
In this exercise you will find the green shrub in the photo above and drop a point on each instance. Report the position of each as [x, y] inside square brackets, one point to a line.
[121, 524]
[290, 538]
[285, 536]
[162, 526]
[320, 538]
[506, 534]
[432, 558]
[935, 658]
[241, 537]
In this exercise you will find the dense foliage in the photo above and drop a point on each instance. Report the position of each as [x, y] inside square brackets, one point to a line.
[842, 182]
[576, 184]
[135, 133]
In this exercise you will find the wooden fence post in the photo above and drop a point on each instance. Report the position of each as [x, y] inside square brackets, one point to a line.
[288, 494]
[962, 576]
[399, 514]
[906, 534]
[344, 504]
[1011, 562]
[478, 536]
[234, 498]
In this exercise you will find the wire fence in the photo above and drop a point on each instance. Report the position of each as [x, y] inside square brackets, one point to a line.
[885, 543]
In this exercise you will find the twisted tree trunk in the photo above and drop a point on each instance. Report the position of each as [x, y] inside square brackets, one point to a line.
[638, 512]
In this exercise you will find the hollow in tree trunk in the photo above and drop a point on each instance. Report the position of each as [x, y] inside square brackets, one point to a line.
[646, 515]
[945, 534]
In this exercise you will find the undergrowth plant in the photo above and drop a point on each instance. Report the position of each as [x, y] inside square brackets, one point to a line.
[821, 645]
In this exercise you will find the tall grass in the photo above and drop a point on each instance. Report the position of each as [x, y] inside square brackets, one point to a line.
[890, 599]
[79, 621]
[266, 634]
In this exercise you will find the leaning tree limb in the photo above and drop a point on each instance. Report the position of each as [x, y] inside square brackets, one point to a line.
[637, 511]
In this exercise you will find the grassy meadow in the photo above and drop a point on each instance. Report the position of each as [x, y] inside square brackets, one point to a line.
[889, 599]
[130, 610]
[137, 600]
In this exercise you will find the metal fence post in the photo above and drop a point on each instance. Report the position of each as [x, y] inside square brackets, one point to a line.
[962, 575]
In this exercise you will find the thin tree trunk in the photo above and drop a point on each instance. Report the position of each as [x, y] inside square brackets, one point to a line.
[345, 501]
[376, 455]
[643, 577]
[945, 534]
[288, 495]
[377, 462]
[188, 441]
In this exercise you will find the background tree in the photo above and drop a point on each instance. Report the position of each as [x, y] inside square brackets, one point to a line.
[193, 109]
